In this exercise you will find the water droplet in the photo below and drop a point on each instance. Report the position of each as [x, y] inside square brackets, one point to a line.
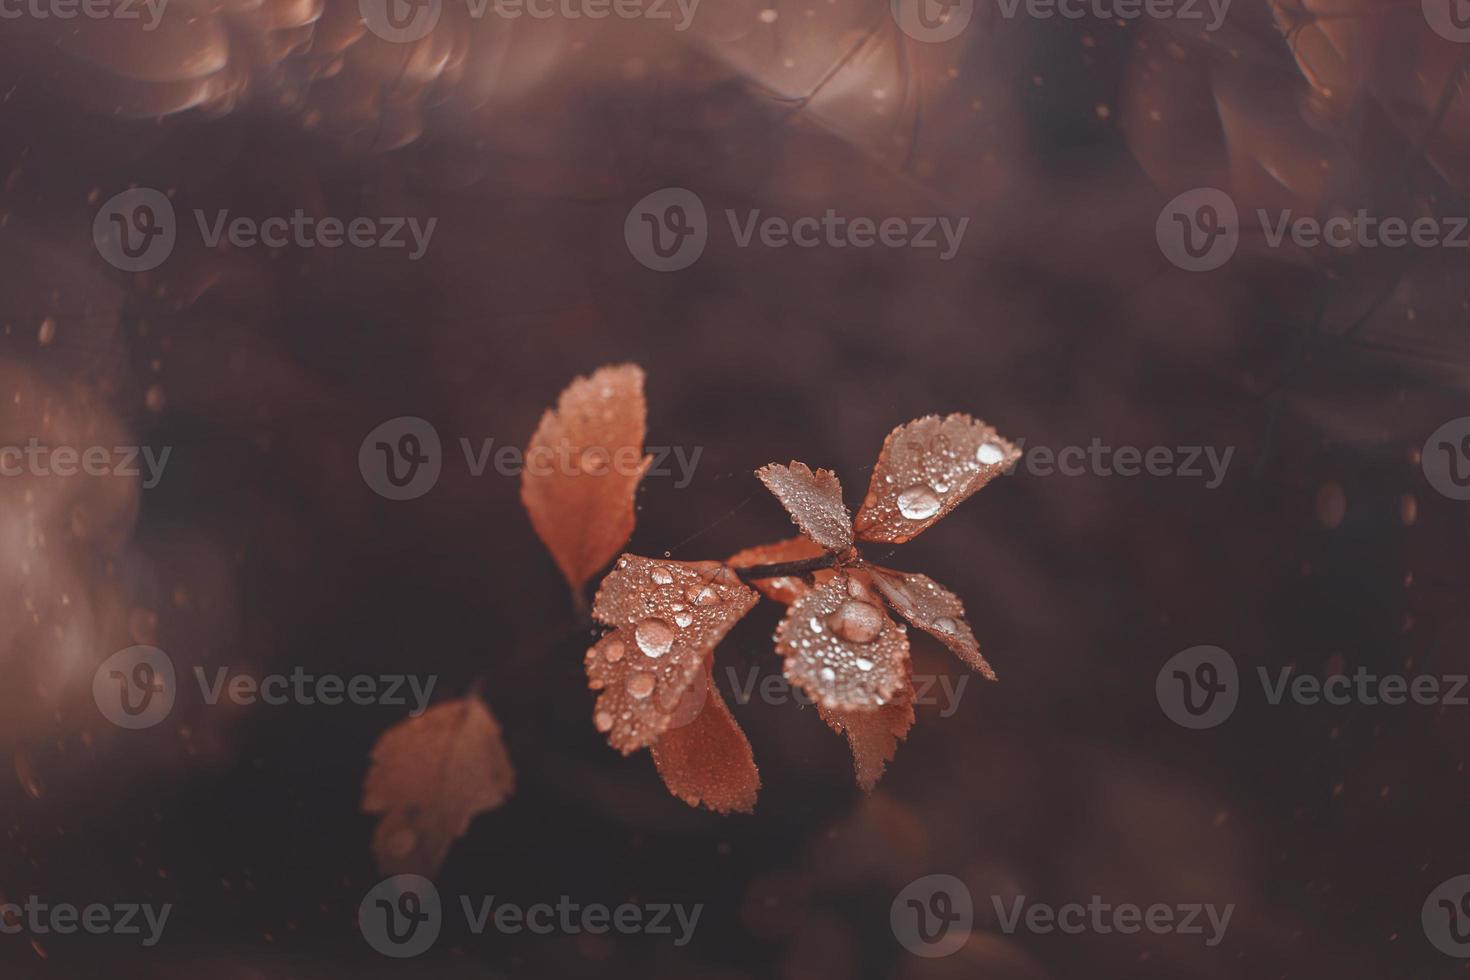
[661, 576]
[682, 619]
[654, 637]
[815, 624]
[863, 664]
[856, 621]
[828, 674]
[614, 651]
[702, 595]
[641, 685]
[918, 503]
[603, 721]
[946, 625]
[989, 454]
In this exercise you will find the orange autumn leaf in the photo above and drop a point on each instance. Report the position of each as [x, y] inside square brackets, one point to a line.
[873, 735]
[666, 618]
[814, 501]
[708, 760]
[934, 609]
[841, 647]
[926, 469]
[430, 775]
[582, 469]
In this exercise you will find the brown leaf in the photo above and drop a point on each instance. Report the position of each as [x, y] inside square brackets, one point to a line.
[842, 648]
[782, 588]
[874, 735]
[934, 609]
[709, 760]
[925, 470]
[582, 469]
[430, 775]
[667, 617]
[814, 501]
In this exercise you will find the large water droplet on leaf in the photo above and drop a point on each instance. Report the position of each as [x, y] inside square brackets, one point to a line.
[918, 503]
[654, 637]
[856, 621]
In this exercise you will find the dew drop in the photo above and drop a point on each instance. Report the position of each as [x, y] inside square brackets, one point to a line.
[654, 637]
[863, 664]
[857, 621]
[661, 576]
[918, 503]
[989, 454]
[682, 619]
[703, 596]
[815, 624]
[603, 721]
[946, 625]
[641, 684]
[614, 651]
[828, 674]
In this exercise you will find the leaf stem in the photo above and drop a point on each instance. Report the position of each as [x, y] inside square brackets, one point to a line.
[784, 569]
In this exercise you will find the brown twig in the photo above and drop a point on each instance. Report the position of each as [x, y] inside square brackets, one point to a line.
[784, 569]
